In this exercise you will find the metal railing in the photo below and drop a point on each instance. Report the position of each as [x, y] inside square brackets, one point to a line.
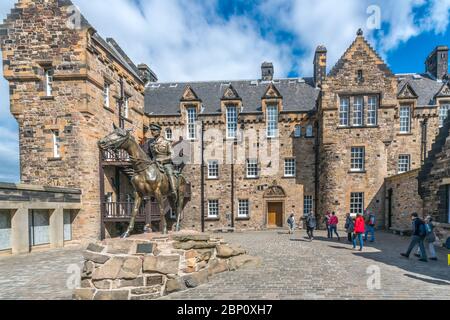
[124, 210]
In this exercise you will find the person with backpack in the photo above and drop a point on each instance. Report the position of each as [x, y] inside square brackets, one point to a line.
[333, 225]
[358, 231]
[370, 227]
[291, 223]
[349, 227]
[419, 235]
[430, 239]
[311, 224]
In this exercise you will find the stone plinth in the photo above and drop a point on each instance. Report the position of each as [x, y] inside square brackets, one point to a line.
[149, 266]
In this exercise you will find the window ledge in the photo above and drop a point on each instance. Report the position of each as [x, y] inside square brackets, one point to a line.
[251, 178]
[109, 109]
[356, 172]
[242, 219]
[48, 98]
[405, 134]
[358, 127]
[212, 219]
[212, 179]
[54, 159]
[127, 120]
[289, 177]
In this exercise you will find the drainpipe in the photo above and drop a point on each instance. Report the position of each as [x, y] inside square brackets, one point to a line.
[232, 185]
[202, 173]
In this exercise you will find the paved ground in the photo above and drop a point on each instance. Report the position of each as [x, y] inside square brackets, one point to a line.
[293, 268]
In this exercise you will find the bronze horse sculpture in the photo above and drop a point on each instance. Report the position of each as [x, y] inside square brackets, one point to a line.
[149, 180]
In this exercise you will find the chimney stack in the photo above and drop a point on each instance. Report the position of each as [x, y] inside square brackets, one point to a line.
[267, 71]
[437, 63]
[147, 75]
[320, 65]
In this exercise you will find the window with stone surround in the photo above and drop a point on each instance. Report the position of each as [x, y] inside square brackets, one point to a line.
[169, 134]
[309, 131]
[358, 111]
[191, 123]
[232, 118]
[443, 113]
[272, 121]
[405, 119]
[404, 163]
[56, 144]
[344, 111]
[289, 168]
[298, 131]
[48, 81]
[307, 205]
[372, 110]
[357, 159]
[126, 107]
[356, 203]
[106, 94]
[244, 208]
[213, 208]
[252, 168]
[213, 169]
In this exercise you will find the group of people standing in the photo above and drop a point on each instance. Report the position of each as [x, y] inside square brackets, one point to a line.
[360, 227]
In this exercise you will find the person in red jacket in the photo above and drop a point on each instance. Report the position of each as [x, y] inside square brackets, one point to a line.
[360, 229]
[333, 225]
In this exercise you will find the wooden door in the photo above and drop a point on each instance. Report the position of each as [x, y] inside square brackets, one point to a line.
[275, 214]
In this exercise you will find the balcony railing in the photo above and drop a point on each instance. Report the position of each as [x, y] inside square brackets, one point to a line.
[118, 211]
[112, 156]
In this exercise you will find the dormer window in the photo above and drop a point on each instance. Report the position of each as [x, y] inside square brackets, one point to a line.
[231, 122]
[48, 81]
[272, 121]
[191, 123]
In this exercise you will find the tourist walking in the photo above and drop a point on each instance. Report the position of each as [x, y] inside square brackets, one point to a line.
[370, 226]
[359, 230]
[333, 226]
[419, 234]
[291, 223]
[349, 227]
[311, 225]
[430, 239]
[327, 223]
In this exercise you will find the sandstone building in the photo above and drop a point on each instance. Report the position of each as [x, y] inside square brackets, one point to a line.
[270, 146]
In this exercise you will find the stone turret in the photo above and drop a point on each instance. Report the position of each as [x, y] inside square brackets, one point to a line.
[320, 65]
[437, 63]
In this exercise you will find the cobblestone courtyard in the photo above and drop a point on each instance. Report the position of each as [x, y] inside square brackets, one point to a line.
[293, 268]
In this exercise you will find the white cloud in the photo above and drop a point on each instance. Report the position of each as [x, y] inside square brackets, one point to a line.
[186, 41]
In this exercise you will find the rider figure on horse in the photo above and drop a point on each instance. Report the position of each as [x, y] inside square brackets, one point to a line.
[159, 149]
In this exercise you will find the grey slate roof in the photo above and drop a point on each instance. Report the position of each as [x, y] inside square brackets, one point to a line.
[423, 85]
[164, 98]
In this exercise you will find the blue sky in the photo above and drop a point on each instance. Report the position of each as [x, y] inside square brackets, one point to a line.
[186, 40]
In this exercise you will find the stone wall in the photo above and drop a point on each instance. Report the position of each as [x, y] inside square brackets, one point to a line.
[36, 36]
[383, 143]
[149, 267]
[405, 200]
[303, 149]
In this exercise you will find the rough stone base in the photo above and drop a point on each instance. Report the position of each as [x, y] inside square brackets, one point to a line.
[149, 266]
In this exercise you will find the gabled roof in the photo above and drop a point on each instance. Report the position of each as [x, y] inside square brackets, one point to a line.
[407, 92]
[423, 85]
[299, 95]
[230, 94]
[445, 90]
[346, 57]
[272, 92]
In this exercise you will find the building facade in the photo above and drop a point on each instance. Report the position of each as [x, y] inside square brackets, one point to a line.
[269, 147]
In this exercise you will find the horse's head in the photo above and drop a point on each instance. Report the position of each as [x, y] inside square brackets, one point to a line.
[115, 139]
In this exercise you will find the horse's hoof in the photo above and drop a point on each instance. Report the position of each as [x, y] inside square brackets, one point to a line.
[125, 235]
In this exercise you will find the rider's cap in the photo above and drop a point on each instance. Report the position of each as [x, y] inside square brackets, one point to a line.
[155, 127]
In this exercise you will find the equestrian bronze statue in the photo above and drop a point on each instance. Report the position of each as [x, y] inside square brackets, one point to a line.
[153, 176]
